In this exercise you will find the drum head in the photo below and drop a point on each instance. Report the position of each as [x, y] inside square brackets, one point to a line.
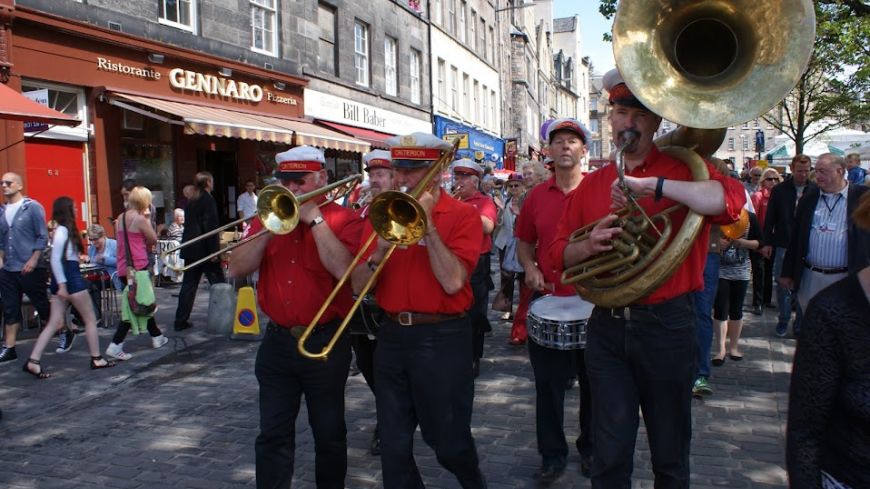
[561, 309]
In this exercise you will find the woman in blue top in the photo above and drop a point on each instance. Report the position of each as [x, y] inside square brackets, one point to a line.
[67, 287]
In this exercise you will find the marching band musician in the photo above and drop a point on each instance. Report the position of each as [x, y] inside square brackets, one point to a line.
[643, 355]
[535, 230]
[297, 272]
[467, 175]
[422, 371]
[377, 165]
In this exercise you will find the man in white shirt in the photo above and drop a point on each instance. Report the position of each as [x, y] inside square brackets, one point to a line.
[247, 202]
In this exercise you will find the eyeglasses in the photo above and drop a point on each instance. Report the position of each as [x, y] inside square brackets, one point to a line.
[771, 179]
[6, 183]
[514, 185]
[287, 182]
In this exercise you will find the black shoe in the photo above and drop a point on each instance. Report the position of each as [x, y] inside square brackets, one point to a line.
[182, 326]
[549, 473]
[375, 445]
[475, 368]
[7, 354]
[586, 465]
[756, 310]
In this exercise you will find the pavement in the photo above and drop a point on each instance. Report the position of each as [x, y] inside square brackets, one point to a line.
[185, 416]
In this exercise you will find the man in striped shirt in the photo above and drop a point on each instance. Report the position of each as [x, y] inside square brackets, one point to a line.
[826, 245]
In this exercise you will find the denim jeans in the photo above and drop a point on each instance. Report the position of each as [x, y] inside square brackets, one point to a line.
[704, 313]
[645, 360]
[285, 376]
[784, 297]
[423, 376]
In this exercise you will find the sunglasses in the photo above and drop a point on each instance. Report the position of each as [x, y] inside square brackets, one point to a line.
[771, 179]
[6, 183]
[514, 185]
[288, 181]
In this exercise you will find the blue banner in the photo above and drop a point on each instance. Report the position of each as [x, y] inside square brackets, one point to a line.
[474, 144]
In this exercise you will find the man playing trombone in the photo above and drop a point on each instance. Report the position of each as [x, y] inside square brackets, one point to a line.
[297, 272]
[643, 355]
[422, 369]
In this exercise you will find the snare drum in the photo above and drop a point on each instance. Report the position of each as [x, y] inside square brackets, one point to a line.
[559, 322]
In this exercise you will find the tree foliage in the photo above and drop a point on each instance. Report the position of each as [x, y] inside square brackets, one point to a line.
[834, 89]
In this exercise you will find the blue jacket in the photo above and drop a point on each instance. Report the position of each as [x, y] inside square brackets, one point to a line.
[110, 258]
[27, 234]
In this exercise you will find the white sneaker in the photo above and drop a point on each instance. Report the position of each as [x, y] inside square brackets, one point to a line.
[117, 351]
[158, 341]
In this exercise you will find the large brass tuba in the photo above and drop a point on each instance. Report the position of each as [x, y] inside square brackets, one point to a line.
[705, 65]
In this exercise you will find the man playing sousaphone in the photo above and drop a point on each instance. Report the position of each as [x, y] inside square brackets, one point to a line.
[422, 370]
[643, 355]
[297, 272]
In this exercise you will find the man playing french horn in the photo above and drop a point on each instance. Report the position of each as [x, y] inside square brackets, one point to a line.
[422, 370]
[643, 355]
[298, 270]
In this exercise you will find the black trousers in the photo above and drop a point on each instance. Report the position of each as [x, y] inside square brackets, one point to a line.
[481, 284]
[284, 376]
[189, 284]
[648, 361]
[423, 377]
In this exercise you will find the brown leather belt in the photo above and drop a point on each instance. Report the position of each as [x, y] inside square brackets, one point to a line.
[413, 318]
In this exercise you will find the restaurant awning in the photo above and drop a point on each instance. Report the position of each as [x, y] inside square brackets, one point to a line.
[211, 121]
[17, 107]
[375, 138]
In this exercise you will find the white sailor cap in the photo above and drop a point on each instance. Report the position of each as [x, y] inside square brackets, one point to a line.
[618, 91]
[378, 158]
[466, 166]
[299, 161]
[417, 150]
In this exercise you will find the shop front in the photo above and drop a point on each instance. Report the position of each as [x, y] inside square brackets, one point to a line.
[159, 114]
[473, 144]
[361, 121]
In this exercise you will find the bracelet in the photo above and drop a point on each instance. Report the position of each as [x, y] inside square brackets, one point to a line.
[659, 185]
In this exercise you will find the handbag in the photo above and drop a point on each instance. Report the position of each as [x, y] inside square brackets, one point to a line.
[511, 263]
[133, 292]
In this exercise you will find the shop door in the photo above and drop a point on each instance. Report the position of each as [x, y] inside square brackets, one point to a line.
[221, 164]
[55, 169]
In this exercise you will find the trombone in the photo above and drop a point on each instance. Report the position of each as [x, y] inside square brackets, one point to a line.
[397, 217]
[277, 209]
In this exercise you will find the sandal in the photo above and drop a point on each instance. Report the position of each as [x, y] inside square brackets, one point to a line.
[39, 375]
[96, 359]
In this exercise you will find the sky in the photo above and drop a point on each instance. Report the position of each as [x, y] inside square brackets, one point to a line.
[592, 26]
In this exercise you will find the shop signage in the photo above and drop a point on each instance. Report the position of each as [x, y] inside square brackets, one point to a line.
[41, 97]
[462, 137]
[105, 64]
[331, 108]
[214, 85]
[474, 143]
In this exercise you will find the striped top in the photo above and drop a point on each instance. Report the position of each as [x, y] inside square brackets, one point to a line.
[828, 243]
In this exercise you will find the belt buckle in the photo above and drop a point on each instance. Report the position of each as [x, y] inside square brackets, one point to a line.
[405, 318]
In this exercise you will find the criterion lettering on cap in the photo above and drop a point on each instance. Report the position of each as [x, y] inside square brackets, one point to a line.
[290, 166]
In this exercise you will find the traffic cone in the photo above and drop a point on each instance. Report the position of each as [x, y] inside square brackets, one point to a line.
[246, 325]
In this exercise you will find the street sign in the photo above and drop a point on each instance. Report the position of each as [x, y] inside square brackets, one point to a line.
[759, 140]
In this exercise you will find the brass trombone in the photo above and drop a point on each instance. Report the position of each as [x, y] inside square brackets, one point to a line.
[397, 217]
[277, 209]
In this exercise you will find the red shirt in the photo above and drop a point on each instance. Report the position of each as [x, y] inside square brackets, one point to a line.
[759, 202]
[407, 282]
[591, 201]
[293, 282]
[486, 208]
[537, 225]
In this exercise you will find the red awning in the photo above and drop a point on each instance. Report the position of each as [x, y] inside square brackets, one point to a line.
[375, 138]
[17, 107]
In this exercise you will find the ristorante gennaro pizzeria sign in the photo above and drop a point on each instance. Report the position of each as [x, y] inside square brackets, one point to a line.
[193, 81]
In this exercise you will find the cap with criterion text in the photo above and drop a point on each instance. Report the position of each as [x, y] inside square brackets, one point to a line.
[298, 162]
[378, 158]
[417, 150]
[465, 166]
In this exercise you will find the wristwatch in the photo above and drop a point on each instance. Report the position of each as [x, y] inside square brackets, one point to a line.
[314, 222]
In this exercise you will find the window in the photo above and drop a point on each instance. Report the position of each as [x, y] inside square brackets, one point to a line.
[491, 51]
[593, 125]
[361, 53]
[492, 108]
[326, 53]
[415, 76]
[67, 100]
[482, 40]
[472, 32]
[263, 29]
[745, 142]
[390, 74]
[178, 13]
[475, 92]
[454, 88]
[730, 144]
[462, 27]
[442, 81]
[466, 97]
[436, 11]
[451, 16]
[484, 95]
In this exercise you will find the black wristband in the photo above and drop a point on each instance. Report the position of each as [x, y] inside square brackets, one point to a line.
[659, 185]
